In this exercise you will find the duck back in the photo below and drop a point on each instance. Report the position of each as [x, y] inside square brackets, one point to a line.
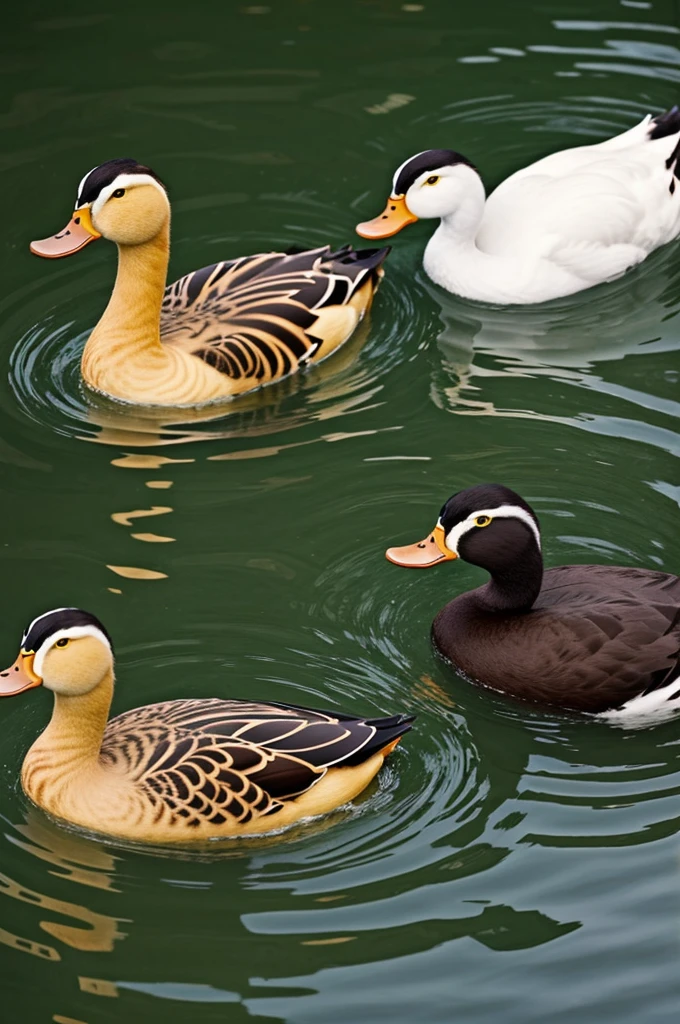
[596, 638]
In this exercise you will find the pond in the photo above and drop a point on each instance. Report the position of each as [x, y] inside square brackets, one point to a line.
[509, 863]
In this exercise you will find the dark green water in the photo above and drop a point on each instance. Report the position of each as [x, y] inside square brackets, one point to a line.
[510, 865]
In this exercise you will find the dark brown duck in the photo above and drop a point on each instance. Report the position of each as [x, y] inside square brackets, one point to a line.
[595, 638]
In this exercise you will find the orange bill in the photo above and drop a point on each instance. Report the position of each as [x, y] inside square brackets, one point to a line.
[425, 553]
[78, 233]
[19, 676]
[394, 217]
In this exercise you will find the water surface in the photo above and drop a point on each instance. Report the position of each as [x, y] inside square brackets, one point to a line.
[509, 864]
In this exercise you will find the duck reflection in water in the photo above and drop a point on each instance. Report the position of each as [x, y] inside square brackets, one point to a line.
[493, 361]
[76, 860]
[324, 391]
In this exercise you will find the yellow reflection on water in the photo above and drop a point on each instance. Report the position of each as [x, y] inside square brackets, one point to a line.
[76, 861]
[98, 987]
[99, 935]
[28, 946]
[125, 518]
[135, 461]
[153, 538]
[135, 572]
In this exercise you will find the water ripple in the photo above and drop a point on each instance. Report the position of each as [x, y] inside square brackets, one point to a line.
[45, 375]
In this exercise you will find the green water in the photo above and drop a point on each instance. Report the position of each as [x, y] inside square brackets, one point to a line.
[509, 865]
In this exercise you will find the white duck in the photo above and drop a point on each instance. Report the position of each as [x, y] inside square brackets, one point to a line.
[567, 222]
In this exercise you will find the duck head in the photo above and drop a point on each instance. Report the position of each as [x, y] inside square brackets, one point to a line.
[436, 183]
[121, 200]
[488, 525]
[67, 650]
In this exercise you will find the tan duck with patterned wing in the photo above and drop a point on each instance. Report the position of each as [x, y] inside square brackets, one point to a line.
[219, 331]
[181, 770]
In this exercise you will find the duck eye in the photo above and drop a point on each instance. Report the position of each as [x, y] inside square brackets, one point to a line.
[118, 194]
[482, 520]
[62, 641]
[433, 179]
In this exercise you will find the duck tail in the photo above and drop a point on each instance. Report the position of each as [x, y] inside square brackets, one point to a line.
[665, 124]
[357, 262]
[388, 732]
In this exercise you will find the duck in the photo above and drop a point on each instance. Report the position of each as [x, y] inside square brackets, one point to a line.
[219, 331]
[599, 639]
[567, 222]
[180, 770]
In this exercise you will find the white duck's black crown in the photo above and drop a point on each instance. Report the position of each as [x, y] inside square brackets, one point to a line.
[429, 160]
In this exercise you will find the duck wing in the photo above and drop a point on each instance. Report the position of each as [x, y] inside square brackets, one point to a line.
[257, 318]
[596, 639]
[216, 760]
[621, 625]
[576, 206]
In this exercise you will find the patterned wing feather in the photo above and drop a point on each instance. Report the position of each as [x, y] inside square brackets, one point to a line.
[207, 779]
[211, 761]
[253, 318]
[214, 780]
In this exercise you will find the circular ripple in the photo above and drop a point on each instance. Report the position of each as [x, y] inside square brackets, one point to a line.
[45, 362]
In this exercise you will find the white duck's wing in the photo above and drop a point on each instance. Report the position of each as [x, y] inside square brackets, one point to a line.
[576, 206]
[594, 262]
[580, 158]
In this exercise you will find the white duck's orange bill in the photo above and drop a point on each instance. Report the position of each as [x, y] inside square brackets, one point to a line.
[394, 217]
[78, 233]
[425, 553]
[19, 676]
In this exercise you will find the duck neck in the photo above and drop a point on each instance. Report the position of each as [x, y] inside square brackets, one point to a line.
[515, 588]
[130, 324]
[459, 225]
[459, 229]
[454, 260]
[72, 740]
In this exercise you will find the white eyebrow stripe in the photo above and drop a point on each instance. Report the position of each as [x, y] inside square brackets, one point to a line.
[73, 633]
[400, 169]
[500, 512]
[123, 181]
[82, 182]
